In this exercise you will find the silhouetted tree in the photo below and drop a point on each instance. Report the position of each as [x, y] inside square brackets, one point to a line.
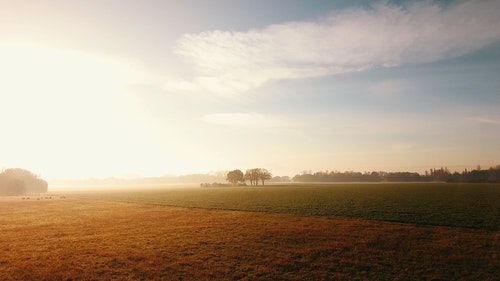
[403, 177]
[235, 176]
[252, 175]
[264, 175]
[492, 175]
[440, 174]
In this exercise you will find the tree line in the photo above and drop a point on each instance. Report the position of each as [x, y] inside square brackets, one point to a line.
[491, 175]
[255, 175]
[18, 181]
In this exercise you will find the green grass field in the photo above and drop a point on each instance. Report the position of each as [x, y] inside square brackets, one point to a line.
[454, 205]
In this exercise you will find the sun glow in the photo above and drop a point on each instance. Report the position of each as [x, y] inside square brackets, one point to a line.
[64, 106]
[57, 73]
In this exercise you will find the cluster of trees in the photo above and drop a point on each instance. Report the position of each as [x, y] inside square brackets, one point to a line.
[335, 176]
[253, 175]
[491, 175]
[19, 181]
[351, 176]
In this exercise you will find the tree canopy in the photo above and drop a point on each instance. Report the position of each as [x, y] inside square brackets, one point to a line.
[18, 181]
[264, 175]
[491, 175]
[234, 177]
[256, 174]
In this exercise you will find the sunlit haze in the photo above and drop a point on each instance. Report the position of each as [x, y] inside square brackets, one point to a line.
[95, 89]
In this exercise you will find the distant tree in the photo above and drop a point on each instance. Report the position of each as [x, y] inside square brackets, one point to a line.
[256, 174]
[403, 177]
[440, 174]
[264, 175]
[492, 175]
[19, 181]
[252, 175]
[234, 177]
[11, 186]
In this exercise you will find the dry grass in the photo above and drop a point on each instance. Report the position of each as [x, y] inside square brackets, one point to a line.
[82, 239]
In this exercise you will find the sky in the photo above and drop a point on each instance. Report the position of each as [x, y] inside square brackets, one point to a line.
[113, 88]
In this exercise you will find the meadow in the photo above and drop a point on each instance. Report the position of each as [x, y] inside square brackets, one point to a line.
[299, 232]
[441, 204]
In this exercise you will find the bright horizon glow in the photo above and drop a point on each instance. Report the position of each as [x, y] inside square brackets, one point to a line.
[143, 91]
[68, 106]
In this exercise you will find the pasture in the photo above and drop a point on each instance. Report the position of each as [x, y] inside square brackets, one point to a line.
[441, 204]
[300, 232]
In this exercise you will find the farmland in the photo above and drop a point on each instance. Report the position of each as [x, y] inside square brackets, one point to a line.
[299, 232]
[456, 205]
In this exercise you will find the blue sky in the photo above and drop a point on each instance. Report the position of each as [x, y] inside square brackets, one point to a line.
[148, 88]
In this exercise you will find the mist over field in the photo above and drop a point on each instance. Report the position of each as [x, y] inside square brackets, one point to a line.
[249, 140]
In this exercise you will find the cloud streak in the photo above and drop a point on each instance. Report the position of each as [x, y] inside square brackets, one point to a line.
[483, 120]
[383, 35]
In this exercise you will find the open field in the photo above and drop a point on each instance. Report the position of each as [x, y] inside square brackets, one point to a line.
[456, 205]
[91, 239]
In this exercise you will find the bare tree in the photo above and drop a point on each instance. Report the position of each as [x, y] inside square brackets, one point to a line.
[253, 176]
[264, 175]
[256, 174]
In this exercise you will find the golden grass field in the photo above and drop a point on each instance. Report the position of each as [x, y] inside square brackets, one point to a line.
[90, 239]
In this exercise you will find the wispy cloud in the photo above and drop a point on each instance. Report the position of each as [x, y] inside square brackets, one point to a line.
[383, 35]
[483, 120]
